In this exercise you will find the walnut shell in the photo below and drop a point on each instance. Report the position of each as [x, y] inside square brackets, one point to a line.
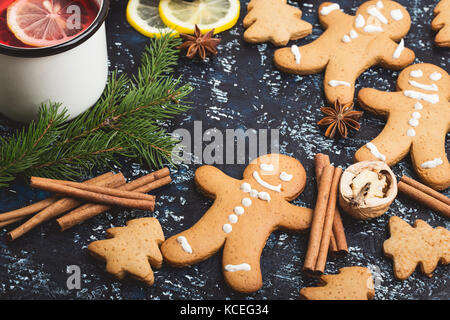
[361, 207]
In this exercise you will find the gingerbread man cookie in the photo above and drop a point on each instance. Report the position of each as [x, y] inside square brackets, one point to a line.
[441, 23]
[350, 45]
[409, 246]
[132, 249]
[244, 213]
[275, 21]
[418, 121]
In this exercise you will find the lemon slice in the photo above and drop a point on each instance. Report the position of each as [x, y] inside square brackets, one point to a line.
[45, 23]
[143, 15]
[207, 14]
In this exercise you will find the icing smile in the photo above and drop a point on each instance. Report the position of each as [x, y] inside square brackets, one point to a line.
[266, 184]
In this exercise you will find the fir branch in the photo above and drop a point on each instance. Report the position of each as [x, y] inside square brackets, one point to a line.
[126, 121]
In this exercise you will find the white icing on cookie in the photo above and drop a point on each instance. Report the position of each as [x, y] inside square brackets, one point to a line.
[296, 52]
[373, 28]
[428, 87]
[432, 163]
[416, 73]
[413, 122]
[246, 202]
[373, 149]
[397, 14]
[327, 9]
[411, 132]
[346, 39]
[353, 34]
[398, 51]
[360, 21]
[374, 12]
[227, 228]
[239, 267]
[286, 176]
[184, 244]
[416, 115]
[239, 210]
[233, 218]
[265, 184]
[266, 167]
[380, 4]
[431, 98]
[335, 83]
[418, 106]
[254, 193]
[246, 187]
[264, 196]
[435, 76]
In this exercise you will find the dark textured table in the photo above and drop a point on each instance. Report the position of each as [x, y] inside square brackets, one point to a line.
[238, 89]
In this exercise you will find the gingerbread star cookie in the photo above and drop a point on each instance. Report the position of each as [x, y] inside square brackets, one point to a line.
[132, 249]
[441, 23]
[417, 122]
[350, 45]
[409, 246]
[351, 283]
[244, 213]
[275, 21]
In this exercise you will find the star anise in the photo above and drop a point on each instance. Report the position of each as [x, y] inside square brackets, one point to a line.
[340, 118]
[199, 44]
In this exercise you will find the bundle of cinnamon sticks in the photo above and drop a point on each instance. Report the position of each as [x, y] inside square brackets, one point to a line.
[425, 195]
[327, 231]
[83, 201]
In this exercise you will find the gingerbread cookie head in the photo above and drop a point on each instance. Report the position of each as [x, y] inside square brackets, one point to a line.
[278, 174]
[382, 16]
[427, 79]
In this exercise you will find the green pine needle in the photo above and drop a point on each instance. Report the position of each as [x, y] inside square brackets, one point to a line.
[126, 121]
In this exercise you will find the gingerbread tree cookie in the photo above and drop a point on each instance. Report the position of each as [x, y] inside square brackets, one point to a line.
[418, 121]
[275, 21]
[409, 246]
[351, 283]
[350, 45]
[244, 213]
[132, 249]
[441, 23]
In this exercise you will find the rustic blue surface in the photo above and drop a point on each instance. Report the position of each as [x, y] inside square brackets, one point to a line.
[240, 88]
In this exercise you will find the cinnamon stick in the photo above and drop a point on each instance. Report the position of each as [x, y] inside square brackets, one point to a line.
[424, 198]
[318, 220]
[38, 206]
[339, 247]
[328, 223]
[144, 184]
[63, 205]
[426, 189]
[8, 222]
[93, 196]
[121, 193]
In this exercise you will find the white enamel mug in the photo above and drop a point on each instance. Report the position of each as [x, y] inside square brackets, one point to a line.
[73, 73]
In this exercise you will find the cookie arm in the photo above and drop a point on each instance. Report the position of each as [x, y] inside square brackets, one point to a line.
[429, 157]
[330, 12]
[378, 102]
[392, 56]
[209, 179]
[295, 218]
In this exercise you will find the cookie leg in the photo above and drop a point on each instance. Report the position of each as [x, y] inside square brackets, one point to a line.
[430, 160]
[241, 260]
[195, 244]
[308, 60]
[339, 81]
[391, 145]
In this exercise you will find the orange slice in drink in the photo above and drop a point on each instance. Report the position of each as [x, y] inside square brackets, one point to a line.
[45, 23]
